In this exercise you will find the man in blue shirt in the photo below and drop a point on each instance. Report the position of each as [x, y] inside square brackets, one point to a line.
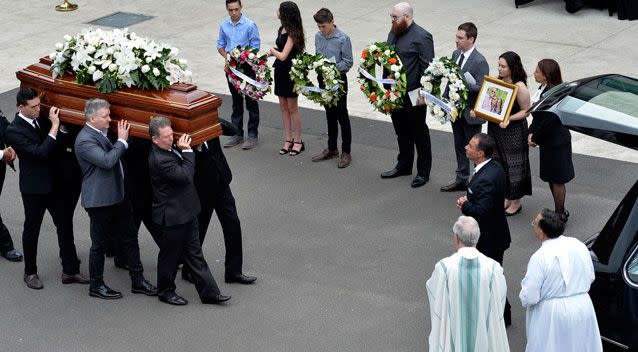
[336, 47]
[239, 30]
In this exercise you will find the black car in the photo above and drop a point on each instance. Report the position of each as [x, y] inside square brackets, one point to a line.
[606, 107]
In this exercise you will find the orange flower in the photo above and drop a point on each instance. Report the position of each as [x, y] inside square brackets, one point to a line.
[364, 54]
[387, 94]
[392, 61]
[387, 108]
[373, 97]
[378, 54]
[396, 94]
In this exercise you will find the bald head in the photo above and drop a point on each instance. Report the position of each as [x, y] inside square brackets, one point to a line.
[405, 8]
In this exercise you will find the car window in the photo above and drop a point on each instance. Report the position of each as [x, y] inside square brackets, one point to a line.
[609, 235]
[631, 269]
[614, 92]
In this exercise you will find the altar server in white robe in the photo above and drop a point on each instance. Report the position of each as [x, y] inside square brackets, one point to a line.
[467, 297]
[560, 314]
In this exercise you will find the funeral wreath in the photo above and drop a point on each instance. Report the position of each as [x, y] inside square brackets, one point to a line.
[327, 71]
[249, 72]
[385, 94]
[444, 81]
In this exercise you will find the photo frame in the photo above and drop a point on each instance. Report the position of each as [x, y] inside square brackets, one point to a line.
[495, 99]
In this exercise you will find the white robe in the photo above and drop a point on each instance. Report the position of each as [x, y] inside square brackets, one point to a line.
[467, 297]
[560, 315]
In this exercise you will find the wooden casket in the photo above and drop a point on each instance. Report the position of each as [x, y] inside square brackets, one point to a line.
[190, 110]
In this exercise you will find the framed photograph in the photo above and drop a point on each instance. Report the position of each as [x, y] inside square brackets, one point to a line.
[495, 100]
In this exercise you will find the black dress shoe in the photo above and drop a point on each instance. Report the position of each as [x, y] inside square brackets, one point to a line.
[188, 276]
[144, 287]
[395, 173]
[419, 181]
[454, 187]
[104, 292]
[12, 256]
[217, 299]
[240, 279]
[174, 299]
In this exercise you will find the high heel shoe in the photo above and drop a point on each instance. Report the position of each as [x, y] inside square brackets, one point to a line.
[294, 152]
[284, 151]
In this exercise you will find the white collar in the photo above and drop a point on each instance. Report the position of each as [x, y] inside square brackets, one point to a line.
[29, 120]
[467, 53]
[479, 166]
[468, 252]
[95, 129]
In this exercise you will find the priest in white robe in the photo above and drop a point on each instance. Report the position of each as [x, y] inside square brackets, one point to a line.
[560, 314]
[467, 297]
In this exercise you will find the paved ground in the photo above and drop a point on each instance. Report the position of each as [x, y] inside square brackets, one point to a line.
[341, 255]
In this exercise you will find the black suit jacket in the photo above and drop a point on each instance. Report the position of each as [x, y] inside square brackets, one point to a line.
[485, 199]
[36, 153]
[212, 172]
[175, 200]
[4, 123]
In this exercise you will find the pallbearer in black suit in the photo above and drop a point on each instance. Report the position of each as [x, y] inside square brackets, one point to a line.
[7, 155]
[484, 200]
[212, 181]
[35, 142]
[175, 208]
[465, 127]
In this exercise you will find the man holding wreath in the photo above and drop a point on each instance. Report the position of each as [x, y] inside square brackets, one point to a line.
[236, 30]
[335, 45]
[415, 48]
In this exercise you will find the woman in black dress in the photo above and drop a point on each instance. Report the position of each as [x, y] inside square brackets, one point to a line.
[290, 42]
[512, 150]
[552, 138]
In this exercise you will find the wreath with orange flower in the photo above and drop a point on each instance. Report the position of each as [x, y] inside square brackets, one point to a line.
[384, 93]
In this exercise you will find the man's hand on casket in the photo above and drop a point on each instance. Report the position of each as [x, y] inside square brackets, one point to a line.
[122, 129]
[54, 117]
[184, 142]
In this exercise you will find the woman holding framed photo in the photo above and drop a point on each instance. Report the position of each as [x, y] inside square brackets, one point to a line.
[512, 149]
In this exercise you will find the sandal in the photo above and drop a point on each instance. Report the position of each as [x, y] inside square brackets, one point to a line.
[294, 152]
[284, 151]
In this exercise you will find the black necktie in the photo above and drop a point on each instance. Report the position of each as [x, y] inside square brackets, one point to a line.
[36, 125]
[461, 60]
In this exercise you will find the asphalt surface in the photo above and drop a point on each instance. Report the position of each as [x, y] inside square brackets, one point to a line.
[341, 255]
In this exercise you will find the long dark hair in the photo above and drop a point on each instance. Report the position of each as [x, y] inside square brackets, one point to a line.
[550, 69]
[291, 20]
[515, 65]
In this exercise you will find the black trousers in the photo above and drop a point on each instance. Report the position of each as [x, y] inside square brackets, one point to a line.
[412, 131]
[223, 202]
[34, 207]
[238, 113]
[463, 132]
[182, 242]
[338, 116]
[497, 254]
[113, 221]
[6, 243]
